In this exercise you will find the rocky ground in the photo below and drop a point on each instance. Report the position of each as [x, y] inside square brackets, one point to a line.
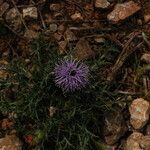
[82, 26]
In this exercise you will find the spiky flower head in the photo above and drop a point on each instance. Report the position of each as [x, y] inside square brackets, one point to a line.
[71, 75]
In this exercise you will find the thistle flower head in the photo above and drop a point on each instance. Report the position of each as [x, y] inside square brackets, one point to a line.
[71, 75]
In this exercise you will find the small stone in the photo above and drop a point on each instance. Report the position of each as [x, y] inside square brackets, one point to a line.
[114, 127]
[6, 54]
[139, 21]
[101, 3]
[146, 57]
[3, 62]
[13, 132]
[13, 18]
[34, 26]
[86, 25]
[99, 40]
[12, 115]
[10, 142]
[145, 142]
[69, 35]
[146, 18]
[58, 16]
[30, 34]
[133, 141]
[123, 11]
[12, 14]
[27, 61]
[30, 12]
[77, 16]
[57, 36]
[83, 50]
[62, 46]
[53, 27]
[55, 7]
[48, 18]
[61, 28]
[139, 111]
[7, 124]
[3, 74]
[52, 111]
[3, 8]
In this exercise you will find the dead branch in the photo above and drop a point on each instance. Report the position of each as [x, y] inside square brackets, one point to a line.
[123, 56]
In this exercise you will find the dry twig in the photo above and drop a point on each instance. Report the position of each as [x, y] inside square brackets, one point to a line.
[123, 56]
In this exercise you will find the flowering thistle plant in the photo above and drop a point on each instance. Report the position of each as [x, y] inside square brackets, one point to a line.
[71, 75]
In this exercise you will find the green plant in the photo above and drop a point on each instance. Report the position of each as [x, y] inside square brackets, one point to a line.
[77, 120]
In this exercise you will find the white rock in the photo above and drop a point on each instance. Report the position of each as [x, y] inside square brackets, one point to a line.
[99, 39]
[139, 111]
[123, 11]
[62, 46]
[145, 143]
[69, 35]
[58, 15]
[146, 57]
[83, 50]
[101, 3]
[77, 16]
[147, 18]
[30, 12]
[52, 111]
[53, 27]
[3, 73]
[58, 36]
[30, 34]
[12, 14]
[133, 141]
[61, 28]
[10, 142]
[55, 7]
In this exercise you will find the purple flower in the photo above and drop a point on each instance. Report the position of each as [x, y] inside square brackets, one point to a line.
[71, 75]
